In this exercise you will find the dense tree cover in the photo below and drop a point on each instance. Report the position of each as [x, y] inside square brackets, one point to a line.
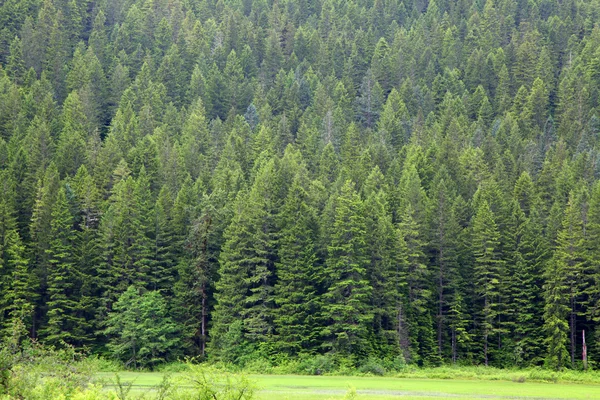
[366, 178]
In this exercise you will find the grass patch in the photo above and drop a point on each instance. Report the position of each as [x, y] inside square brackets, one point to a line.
[294, 387]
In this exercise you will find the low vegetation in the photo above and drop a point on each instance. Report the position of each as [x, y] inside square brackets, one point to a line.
[29, 370]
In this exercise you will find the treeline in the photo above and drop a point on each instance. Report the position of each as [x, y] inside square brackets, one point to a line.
[238, 179]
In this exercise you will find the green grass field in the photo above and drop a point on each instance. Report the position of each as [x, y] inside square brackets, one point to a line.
[290, 387]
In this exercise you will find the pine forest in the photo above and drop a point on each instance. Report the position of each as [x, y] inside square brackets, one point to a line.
[405, 180]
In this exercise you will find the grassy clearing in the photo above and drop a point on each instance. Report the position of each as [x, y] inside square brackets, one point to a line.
[382, 388]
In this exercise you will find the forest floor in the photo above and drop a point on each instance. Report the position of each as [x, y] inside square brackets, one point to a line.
[292, 387]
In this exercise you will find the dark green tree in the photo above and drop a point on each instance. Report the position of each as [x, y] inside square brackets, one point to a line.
[487, 273]
[296, 291]
[346, 307]
[141, 332]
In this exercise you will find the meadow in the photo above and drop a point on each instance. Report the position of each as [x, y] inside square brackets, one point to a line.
[293, 387]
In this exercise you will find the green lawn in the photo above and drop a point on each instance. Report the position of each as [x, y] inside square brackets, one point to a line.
[334, 387]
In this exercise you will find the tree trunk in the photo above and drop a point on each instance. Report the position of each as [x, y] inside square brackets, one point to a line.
[573, 327]
[203, 322]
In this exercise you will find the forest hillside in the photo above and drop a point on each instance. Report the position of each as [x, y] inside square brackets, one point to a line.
[235, 180]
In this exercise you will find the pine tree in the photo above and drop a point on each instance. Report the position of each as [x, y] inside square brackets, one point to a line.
[527, 259]
[370, 101]
[71, 149]
[7, 229]
[487, 273]
[126, 244]
[15, 66]
[444, 234]
[556, 310]
[296, 291]
[143, 230]
[18, 284]
[41, 231]
[22, 292]
[570, 267]
[247, 263]
[418, 276]
[346, 305]
[387, 266]
[593, 252]
[394, 119]
[88, 251]
[64, 319]
[162, 274]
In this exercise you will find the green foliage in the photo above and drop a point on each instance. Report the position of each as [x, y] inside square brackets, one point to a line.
[346, 307]
[212, 384]
[32, 371]
[360, 181]
[141, 332]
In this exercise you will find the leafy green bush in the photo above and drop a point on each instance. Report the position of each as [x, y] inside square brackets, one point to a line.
[316, 364]
[32, 371]
[372, 366]
[141, 332]
[174, 367]
[210, 383]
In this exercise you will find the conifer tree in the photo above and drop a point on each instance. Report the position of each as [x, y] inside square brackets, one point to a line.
[164, 250]
[296, 291]
[387, 266]
[140, 329]
[556, 310]
[444, 233]
[72, 141]
[88, 249]
[143, 230]
[64, 315]
[593, 252]
[527, 262]
[247, 263]
[418, 277]
[346, 305]
[487, 270]
[569, 262]
[125, 246]
[370, 101]
[21, 293]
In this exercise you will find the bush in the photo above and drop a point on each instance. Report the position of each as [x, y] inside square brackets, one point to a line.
[316, 365]
[174, 367]
[32, 371]
[372, 366]
[258, 365]
[210, 383]
[140, 330]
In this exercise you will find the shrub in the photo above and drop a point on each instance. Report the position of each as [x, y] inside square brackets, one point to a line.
[141, 331]
[209, 383]
[316, 365]
[32, 371]
[372, 366]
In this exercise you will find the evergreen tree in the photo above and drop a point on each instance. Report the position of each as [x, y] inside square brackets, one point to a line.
[418, 278]
[247, 263]
[370, 101]
[65, 322]
[346, 305]
[72, 141]
[444, 233]
[21, 294]
[556, 310]
[387, 266]
[569, 267]
[163, 272]
[296, 291]
[487, 272]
